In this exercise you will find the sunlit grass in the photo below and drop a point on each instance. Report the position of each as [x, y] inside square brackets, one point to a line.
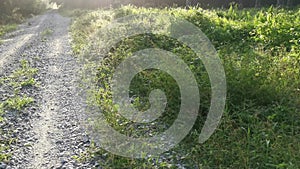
[259, 128]
[6, 28]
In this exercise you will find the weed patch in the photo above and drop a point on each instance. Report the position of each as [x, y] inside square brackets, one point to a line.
[6, 28]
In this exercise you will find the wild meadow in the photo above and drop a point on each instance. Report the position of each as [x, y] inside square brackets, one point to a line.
[260, 52]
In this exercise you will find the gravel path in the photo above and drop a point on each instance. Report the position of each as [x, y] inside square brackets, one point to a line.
[49, 133]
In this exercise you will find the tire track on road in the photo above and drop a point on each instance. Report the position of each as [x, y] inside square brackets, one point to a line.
[19, 42]
[52, 134]
[59, 133]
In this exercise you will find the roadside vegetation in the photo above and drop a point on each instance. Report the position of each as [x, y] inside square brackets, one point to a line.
[15, 11]
[6, 28]
[260, 52]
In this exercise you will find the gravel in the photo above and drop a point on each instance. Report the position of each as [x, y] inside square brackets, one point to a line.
[49, 133]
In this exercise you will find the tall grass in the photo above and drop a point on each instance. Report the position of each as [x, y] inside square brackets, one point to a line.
[260, 52]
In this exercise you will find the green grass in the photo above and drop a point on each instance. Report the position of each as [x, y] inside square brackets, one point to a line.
[260, 52]
[6, 28]
[83, 28]
[46, 32]
[17, 103]
[20, 78]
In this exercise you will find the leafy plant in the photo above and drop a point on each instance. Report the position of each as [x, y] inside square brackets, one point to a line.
[17, 103]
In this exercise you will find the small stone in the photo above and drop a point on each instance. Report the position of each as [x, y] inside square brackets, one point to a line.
[3, 166]
[96, 164]
[86, 139]
[59, 142]
[27, 144]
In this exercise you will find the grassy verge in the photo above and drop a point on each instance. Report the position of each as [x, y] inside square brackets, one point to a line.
[14, 100]
[6, 28]
[83, 28]
[261, 55]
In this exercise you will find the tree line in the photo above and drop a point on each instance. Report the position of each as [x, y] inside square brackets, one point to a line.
[249, 3]
[90, 4]
[17, 10]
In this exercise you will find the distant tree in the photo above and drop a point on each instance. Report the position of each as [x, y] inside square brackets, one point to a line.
[91, 4]
[16, 10]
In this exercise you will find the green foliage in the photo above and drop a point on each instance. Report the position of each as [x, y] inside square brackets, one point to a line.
[46, 32]
[94, 4]
[261, 56]
[15, 10]
[6, 28]
[86, 26]
[20, 78]
[17, 103]
[3, 157]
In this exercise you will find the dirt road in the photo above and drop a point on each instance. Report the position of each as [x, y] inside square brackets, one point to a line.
[48, 133]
